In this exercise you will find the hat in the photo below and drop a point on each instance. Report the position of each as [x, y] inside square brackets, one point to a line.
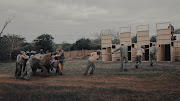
[21, 52]
[27, 52]
[33, 52]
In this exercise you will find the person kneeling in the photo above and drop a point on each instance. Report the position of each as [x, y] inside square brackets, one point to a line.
[28, 69]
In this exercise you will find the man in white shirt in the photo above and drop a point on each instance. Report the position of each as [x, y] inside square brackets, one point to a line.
[140, 52]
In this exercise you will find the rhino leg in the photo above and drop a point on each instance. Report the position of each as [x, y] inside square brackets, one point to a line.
[44, 70]
[34, 71]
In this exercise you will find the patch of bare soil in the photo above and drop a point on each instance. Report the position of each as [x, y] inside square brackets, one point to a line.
[161, 83]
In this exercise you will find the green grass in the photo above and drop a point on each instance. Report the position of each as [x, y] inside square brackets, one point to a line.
[7, 67]
[22, 92]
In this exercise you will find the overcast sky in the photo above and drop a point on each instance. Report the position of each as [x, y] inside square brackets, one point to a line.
[69, 20]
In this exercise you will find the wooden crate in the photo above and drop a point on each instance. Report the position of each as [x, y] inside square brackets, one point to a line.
[177, 50]
[105, 54]
[133, 52]
[106, 38]
[125, 36]
[166, 52]
[166, 47]
[115, 56]
[163, 35]
[106, 44]
[143, 40]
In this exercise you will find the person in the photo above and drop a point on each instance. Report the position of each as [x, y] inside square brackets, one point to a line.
[41, 51]
[17, 60]
[140, 52]
[60, 57]
[28, 53]
[123, 52]
[28, 69]
[47, 51]
[33, 52]
[153, 51]
[20, 63]
[93, 57]
[171, 28]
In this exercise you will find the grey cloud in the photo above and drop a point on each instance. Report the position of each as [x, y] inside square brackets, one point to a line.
[68, 20]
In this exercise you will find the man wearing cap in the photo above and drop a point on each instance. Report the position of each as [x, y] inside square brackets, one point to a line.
[60, 57]
[21, 63]
[124, 51]
[140, 52]
[153, 51]
[93, 57]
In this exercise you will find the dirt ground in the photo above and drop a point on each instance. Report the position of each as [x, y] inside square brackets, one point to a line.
[160, 82]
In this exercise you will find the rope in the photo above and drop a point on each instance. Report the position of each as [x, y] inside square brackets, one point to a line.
[69, 59]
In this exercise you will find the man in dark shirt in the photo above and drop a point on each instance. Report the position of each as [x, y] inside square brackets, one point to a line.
[60, 57]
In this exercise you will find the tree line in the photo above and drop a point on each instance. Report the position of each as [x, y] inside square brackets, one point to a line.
[12, 44]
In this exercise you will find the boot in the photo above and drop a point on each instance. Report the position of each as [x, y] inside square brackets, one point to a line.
[28, 79]
[60, 73]
[22, 77]
[151, 64]
[136, 66]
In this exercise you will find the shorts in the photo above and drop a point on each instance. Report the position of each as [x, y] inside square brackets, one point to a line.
[61, 62]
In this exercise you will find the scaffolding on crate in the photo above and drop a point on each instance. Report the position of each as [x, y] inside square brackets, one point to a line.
[143, 40]
[106, 44]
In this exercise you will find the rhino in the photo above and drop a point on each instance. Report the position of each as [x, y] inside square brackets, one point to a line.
[44, 63]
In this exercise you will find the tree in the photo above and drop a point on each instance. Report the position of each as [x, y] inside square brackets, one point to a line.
[28, 47]
[5, 25]
[177, 31]
[12, 42]
[134, 39]
[95, 44]
[44, 42]
[81, 44]
[66, 46]
[115, 37]
[153, 39]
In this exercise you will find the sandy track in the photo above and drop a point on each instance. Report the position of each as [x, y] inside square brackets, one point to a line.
[132, 83]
